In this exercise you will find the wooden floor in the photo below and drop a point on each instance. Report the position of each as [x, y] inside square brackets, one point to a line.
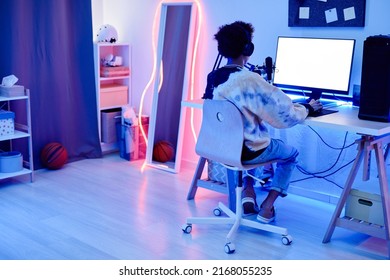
[108, 209]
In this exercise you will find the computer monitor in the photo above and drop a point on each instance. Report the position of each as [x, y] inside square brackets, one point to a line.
[321, 65]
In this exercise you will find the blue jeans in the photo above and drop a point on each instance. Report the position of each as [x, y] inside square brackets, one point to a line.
[287, 156]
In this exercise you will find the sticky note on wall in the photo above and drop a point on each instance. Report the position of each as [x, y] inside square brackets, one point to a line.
[349, 13]
[304, 12]
[331, 15]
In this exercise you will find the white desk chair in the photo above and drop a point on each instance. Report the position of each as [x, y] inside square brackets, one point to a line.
[220, 139]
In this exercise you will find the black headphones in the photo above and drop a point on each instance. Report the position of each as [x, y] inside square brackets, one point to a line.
[249, 47]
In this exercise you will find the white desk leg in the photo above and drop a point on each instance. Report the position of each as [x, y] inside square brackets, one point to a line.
[365, 145]
[345, 193]
[384, 188]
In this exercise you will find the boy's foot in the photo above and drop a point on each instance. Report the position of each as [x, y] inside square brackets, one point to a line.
[266, 215]
[248, 201]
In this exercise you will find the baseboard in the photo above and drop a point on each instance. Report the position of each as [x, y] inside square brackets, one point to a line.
[325, 197]
[189, 164]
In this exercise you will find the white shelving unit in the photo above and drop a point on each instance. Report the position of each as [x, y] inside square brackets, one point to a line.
[114, 91]
[22, 130]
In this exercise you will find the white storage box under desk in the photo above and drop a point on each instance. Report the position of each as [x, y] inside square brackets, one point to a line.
[365, 207]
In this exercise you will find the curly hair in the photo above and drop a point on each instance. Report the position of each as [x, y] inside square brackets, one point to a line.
[233, 38]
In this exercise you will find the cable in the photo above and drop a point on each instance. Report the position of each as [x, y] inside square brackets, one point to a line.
[262, 182]
[338, 157]
[313, 175]
[316, 174]
[323, 141]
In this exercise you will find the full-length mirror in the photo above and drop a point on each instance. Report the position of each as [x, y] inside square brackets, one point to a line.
[174, 52]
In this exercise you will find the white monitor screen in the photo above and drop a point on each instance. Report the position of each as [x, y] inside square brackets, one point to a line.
[309, 64]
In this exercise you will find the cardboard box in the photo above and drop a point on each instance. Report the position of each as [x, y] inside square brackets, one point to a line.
[7, 124]
[114, 95]
[109, 118]
[365, 207]
[13, 91]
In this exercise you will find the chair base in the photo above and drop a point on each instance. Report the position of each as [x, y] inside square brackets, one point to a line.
[236, 220]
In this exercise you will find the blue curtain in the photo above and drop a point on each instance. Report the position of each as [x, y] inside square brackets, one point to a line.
[48, 45]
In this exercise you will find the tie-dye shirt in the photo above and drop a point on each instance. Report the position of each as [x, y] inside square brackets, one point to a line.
[257, 100]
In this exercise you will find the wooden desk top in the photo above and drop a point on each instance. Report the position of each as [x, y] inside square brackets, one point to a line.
[347, 119]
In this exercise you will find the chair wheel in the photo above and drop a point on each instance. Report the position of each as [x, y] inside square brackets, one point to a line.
[217, 211]
[286, 239]
[230, 248]
[186, 228]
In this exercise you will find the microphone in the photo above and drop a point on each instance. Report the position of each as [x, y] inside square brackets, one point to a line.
[250, 66]
[255, 68]
[268, 68]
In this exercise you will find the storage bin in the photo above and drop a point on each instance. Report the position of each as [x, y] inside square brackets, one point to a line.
[113, 95]
[109, 118]
[365, 207]
[7, 125]
[217, 172]
[11, 162]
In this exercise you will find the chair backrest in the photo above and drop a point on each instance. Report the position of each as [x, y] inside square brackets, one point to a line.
[222, 133]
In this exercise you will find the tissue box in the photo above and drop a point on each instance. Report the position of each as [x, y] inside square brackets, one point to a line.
[13, 91]
[7, 125]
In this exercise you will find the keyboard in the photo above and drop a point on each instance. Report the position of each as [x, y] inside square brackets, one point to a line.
[329, 103]
[322, 112]
[325, 103]
[301, 100]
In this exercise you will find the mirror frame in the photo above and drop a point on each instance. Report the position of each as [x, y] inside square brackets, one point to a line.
[171, 166]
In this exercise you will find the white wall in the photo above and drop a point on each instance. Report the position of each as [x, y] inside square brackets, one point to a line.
[134, 18]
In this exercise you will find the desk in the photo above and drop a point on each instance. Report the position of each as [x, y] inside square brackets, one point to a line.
[346, 119]
[374, 135]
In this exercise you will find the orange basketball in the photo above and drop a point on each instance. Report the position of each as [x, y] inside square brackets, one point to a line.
[54, 155]
[163, 151]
